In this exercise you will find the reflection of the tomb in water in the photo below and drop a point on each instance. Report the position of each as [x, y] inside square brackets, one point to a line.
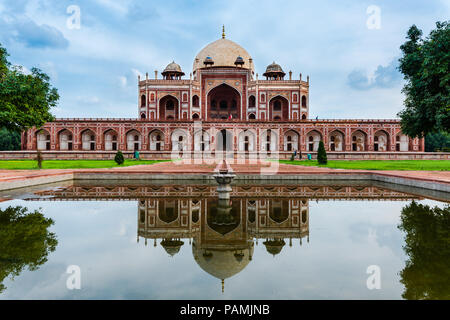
[87, 191]
[223, 233]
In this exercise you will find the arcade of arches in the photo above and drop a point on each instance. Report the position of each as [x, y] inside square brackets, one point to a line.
[242, 140]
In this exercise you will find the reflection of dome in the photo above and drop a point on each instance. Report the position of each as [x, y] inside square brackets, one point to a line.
[222, 216]
[239, 256]
[172, 247]
[274, 246]
[223, 52]
[222, 263]
[207, 256]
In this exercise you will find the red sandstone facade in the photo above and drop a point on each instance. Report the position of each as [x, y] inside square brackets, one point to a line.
[222, 107]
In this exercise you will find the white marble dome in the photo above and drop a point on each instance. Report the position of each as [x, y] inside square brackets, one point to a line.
[224, 53]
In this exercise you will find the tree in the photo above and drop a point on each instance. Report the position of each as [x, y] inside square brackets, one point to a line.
[25, 241]
[425, 64]
[25, 99]
[39, 159]
[9, 140]
[322, 154]
[119, 158]
[439, 141]
[426, 274]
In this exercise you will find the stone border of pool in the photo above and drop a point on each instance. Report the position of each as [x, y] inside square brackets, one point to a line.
[433, 180]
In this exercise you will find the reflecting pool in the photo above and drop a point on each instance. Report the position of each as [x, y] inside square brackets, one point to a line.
[318, 240]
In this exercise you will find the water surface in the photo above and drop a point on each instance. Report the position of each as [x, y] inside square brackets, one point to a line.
[269, 241]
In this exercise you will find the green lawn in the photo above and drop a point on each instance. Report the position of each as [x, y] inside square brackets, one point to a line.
[70, 164]
[426, 165]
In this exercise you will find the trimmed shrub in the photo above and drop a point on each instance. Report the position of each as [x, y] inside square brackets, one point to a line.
[119, 159]
[321, 154]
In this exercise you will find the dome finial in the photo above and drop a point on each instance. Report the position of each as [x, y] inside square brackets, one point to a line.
[223, 285]
[223, 31]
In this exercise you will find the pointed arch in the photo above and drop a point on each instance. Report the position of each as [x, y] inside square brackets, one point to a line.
[168, 210]
[65, 138]
[110, 138]
[88, 140]
[304, 101]
[169, 107]
[279, 210]
[247, 140]
[359, 140]
[195, 101]
[223, 101]
[43, 139]
[224, 140]
[201, 140]
[401, 142]
[381, 140]
[269, 140]
[134, 138]
[291, 140]
[180, 140]
[279, 108]
[313, 138]
[224, 218]
[156, 140]
[252, 101]
[336, 140]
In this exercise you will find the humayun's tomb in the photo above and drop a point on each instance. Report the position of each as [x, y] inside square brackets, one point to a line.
[225, 107]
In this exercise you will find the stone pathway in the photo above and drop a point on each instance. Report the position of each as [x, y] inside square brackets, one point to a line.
[274, 167]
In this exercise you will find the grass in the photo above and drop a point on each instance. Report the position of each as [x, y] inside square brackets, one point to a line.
[425, 165]
[70, 164]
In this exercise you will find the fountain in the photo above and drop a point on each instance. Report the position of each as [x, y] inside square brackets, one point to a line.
[224, 177]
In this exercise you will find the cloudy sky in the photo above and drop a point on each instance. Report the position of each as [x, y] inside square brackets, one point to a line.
[350, 58]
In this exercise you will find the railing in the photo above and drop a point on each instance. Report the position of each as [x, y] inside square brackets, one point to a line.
[163, 81]
[296, 82]
[233, 120]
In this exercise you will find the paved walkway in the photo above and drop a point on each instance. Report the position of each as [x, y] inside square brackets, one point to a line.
[176, 168]
[277, 168]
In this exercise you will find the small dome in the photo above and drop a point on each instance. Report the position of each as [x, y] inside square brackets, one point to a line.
[172, 247]
[173, 68]
[239, 60]
[274, 246]
[208, 60]
[274, 68]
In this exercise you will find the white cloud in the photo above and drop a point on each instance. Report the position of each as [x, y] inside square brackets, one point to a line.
[89, 100]
[117, 6]
[123, 81]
